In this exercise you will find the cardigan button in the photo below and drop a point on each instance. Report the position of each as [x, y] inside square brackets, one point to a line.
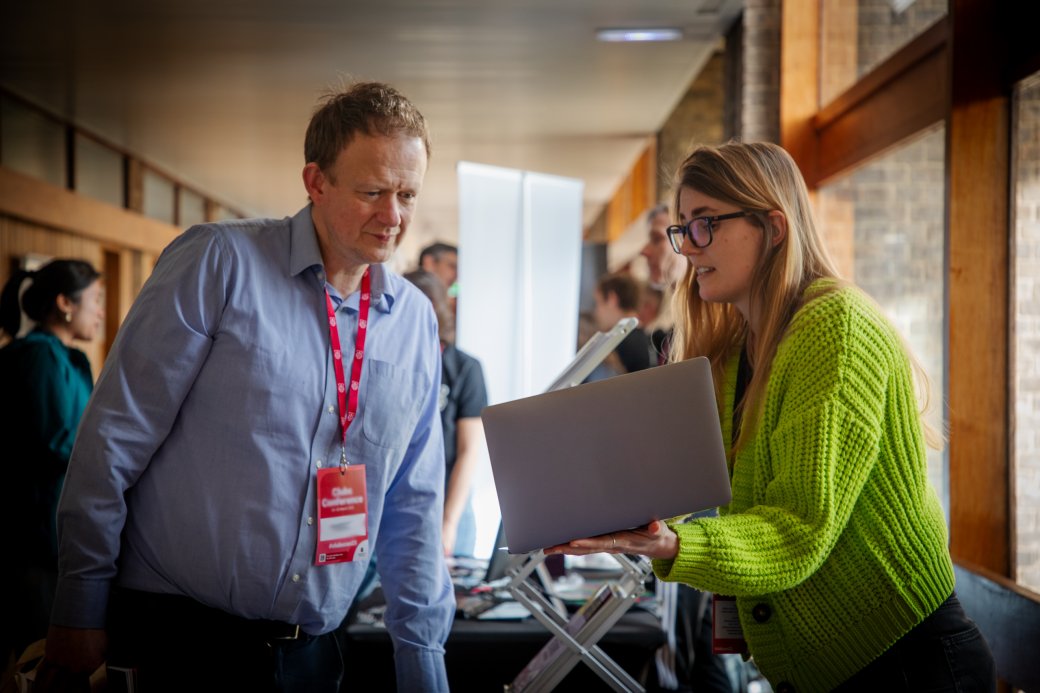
[761, 613]
[784, 687]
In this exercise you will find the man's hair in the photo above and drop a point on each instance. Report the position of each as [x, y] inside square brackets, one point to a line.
[661, 208]
[624, 286]
[366, 107]
[436, 251]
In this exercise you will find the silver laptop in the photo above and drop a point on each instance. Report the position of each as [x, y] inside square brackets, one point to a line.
[609, 455]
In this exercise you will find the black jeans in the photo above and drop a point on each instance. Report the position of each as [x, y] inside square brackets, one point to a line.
[944, 652]
[178, 644]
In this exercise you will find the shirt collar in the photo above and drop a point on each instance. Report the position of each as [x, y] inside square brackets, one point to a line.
[304, 254]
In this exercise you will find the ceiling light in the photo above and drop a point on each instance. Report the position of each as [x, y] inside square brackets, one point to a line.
[613, 35]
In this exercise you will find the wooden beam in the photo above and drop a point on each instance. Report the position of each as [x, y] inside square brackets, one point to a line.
[839, 47]
[799, 83]
[977, 196]
[902, 96]
[48, 205]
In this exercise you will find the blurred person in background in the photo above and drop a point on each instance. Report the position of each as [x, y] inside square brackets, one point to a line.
[45, 383]
[650, 305]
[441, 260]
[462, 397]
[666, 269]
[617, 296]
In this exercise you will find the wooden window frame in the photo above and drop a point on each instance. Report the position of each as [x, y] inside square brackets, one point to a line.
[960, 71]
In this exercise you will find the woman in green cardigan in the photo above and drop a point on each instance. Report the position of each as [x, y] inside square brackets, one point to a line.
[44, 385]
[834, 543]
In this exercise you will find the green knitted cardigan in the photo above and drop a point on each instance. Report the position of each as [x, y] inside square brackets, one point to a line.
[833, 524]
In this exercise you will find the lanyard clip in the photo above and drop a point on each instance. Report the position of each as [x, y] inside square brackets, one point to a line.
[343, 460]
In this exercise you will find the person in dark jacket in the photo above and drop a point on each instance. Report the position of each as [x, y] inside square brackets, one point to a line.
[44, 385]
[463, 396]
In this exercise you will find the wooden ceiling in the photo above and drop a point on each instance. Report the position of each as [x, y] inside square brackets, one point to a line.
[220, 92]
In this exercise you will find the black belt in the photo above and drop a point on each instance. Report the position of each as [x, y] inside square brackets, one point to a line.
[180, 607]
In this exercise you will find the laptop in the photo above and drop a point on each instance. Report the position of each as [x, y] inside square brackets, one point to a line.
[608, 455]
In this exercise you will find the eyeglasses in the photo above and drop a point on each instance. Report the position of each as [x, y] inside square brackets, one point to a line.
[699, 230]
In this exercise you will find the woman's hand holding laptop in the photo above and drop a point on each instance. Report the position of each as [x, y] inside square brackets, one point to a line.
[655, 540]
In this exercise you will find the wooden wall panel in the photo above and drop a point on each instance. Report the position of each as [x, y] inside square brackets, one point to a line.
[977, 161]
[799, 83]
[53, 207]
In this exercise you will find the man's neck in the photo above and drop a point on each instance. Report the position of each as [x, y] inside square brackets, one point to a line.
[346, 280]
[343, 274]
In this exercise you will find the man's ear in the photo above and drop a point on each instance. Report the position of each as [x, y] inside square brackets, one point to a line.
[778, 224]
[612, 300]
[314, 181]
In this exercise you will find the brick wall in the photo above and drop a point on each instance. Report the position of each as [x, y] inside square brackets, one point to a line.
[895, 207]
[1026, 307]
[883, 30]
[697, 119]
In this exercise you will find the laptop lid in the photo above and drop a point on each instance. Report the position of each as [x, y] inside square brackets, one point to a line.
[608, 455]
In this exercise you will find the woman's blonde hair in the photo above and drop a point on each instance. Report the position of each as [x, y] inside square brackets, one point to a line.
[758, 178]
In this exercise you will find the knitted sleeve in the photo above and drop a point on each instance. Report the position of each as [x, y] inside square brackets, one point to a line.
[815, 446]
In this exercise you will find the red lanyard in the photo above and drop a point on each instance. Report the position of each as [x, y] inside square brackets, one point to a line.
[348, 406]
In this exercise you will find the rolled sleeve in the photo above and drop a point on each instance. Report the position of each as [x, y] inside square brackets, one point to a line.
[156, 357]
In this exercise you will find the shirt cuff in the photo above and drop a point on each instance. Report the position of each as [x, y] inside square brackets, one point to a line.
[80, 603]
[421, 670]
[693, 549]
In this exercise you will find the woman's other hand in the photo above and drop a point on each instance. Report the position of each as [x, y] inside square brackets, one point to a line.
[655, 540]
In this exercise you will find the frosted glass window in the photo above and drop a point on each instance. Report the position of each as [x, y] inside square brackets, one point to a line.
[222, 213]
[1025, 320]
[158, 197]
[192, 209]
[884, 226]
[32, 143]
[99, 171]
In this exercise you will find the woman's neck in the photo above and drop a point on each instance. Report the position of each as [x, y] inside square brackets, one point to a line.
[61, 330]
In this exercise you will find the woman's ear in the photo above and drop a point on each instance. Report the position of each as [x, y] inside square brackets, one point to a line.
[778, 224]
[64, 304]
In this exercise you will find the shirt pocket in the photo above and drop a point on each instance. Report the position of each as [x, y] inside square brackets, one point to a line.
[393, 401]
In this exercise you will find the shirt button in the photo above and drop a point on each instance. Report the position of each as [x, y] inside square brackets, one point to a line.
[784, 687]
[332, 410]
[296, 578]
[310, 520]
[319, 464]
[761, 613]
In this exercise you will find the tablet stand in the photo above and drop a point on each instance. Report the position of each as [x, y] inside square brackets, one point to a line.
[551, 612]
[581, 646]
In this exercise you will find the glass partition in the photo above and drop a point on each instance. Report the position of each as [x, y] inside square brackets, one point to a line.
[191, 209]
[32, 143]
[884, 224]
[158, 197]
[99, 171]
[1025, 325]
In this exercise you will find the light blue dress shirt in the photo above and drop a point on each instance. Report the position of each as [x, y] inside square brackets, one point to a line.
[194, 470]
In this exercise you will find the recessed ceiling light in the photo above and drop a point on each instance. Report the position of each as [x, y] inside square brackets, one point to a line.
[613, 35]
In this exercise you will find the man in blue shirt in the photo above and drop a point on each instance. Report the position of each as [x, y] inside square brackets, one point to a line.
[189, 522]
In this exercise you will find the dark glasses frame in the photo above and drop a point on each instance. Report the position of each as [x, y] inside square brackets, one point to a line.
[676, 233]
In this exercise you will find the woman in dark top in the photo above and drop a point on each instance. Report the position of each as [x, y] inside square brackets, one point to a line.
[462, 398]
[44, 386]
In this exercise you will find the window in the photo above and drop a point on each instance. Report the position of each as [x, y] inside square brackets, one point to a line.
[191, 209]
[885, 225]
[32, 143]
[858, 35]
[158, 197]
[99, 171]
[1025, 327]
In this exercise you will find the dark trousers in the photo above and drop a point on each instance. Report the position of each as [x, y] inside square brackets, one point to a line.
[945, 652]
[178, 644]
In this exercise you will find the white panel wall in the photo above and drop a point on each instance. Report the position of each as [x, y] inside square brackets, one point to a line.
[519, 275]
